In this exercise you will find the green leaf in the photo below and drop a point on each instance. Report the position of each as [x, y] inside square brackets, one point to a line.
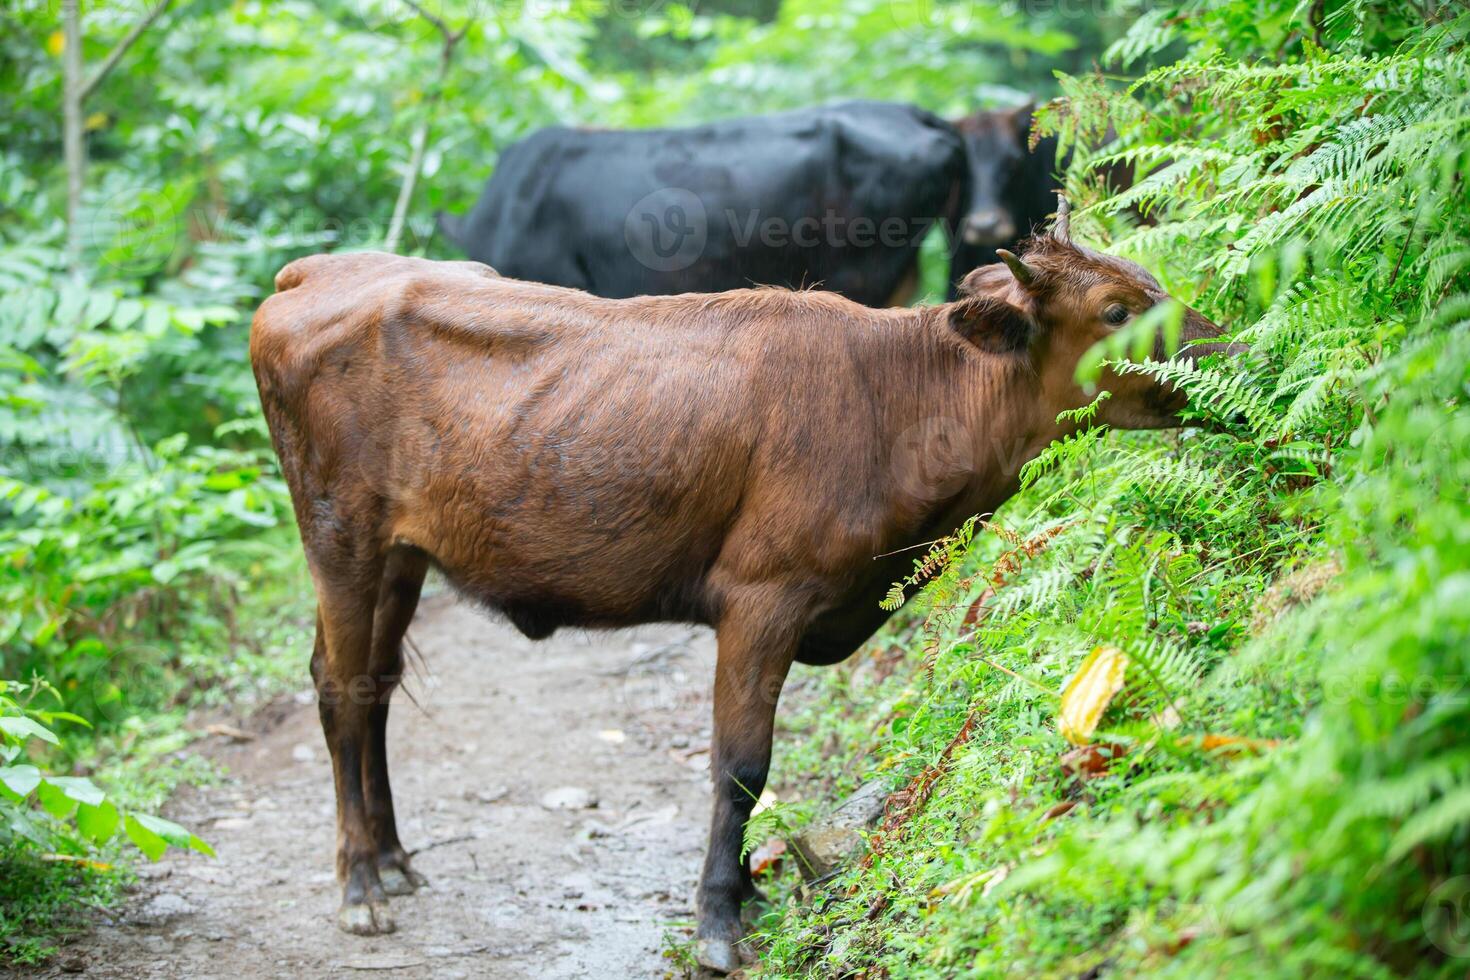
[189, 320]
[53, 716]
[127, 313]
[73, 300]
[77, 788]
[99, 307]
[166, 831]
[20, 824]
[20, 780]
[21, 728]
[231, 479]
[148, 841]
[156, 318]
[98, 823]
[54, 800]
[46, 631]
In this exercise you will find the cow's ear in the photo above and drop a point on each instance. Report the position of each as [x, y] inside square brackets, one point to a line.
[986, 280]
[992, 324]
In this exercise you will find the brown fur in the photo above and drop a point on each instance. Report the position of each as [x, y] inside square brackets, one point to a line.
[739, 459]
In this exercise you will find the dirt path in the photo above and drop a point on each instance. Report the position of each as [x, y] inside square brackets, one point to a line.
[526, 879]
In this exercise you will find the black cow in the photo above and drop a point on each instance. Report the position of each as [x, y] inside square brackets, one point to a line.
[1011, 189]
[838, 195]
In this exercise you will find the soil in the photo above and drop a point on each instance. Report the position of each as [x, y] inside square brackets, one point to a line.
[556, 794]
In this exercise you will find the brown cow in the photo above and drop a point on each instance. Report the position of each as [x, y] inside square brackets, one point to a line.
[736, 459]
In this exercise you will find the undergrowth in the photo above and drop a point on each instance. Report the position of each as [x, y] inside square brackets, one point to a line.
[1281, 787]
[43, 901]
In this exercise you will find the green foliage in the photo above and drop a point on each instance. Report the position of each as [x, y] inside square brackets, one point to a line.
[119, 534]
[1285, 790]
[948, 57]
[81, 815]
[54, 828]
[148, 560]
[41, 900]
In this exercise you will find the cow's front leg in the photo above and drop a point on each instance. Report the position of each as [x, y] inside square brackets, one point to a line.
[756, 648]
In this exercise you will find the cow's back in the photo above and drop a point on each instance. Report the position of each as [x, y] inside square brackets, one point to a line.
[492, 422]
[794, 199]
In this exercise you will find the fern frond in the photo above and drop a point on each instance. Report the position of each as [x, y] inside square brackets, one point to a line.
[1225, 396]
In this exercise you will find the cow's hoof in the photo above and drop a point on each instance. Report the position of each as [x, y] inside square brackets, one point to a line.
[400, 881]
[717, 955]
[722, 956]
[365, 919]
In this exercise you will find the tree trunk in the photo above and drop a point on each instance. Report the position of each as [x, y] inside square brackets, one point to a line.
[73, 134]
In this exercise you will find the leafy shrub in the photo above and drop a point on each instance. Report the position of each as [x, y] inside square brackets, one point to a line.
[54, 829]
[115, 542]
[81, 815]
[1279, 788]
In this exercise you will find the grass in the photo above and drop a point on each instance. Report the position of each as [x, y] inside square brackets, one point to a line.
[42, 902]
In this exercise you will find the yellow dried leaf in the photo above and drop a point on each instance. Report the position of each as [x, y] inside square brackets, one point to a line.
[56, 43]
[1232, 745]
[73, 859]
[1089, 692]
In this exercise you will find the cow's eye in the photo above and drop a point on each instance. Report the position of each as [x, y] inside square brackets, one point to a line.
[1115, 314]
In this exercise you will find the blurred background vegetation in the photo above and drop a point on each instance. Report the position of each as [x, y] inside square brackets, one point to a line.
[1286, 785]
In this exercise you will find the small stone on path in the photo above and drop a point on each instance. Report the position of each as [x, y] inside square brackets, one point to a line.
[568, 798]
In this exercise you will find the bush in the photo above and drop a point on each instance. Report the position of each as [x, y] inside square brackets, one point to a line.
[122, 551]
[1280, 786]
[53, 828]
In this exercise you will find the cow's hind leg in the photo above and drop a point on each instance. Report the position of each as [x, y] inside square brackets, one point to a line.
[398, 597]
[347, 593]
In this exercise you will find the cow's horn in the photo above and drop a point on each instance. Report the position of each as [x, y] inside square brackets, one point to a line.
[1019, 269]
[1061, 230]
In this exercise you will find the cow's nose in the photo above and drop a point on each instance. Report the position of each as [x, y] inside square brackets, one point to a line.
[991, 226]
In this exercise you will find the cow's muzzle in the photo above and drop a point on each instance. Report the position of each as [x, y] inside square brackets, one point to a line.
[990, 226]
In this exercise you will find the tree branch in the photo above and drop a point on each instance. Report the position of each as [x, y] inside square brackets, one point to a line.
[116, 54]
[420, 139]
[450, 37]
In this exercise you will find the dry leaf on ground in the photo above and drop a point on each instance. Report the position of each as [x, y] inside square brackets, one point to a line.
[1089, 692]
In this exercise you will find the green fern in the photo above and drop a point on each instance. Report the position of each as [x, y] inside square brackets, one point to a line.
[1222, 395]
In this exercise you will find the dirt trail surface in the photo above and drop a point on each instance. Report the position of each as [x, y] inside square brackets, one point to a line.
[556, 793]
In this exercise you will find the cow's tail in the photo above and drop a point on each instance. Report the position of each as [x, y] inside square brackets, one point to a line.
[451, 226]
